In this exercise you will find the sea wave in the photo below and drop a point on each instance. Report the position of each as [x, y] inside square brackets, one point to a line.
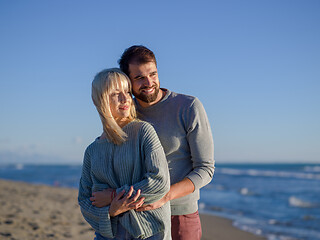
[301, 203]
[249, 225]
[246, 192]
[312, 169]
[14, 166]
[269, 173]
[19, 166]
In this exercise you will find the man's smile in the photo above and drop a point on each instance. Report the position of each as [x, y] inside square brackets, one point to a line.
[148, 90]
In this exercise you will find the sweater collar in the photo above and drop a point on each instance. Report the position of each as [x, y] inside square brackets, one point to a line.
[139, 107]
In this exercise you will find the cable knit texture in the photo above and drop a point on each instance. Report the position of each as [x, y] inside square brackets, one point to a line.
[139, 162]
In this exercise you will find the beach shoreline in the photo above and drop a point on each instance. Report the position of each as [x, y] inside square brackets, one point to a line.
[219, 228]
[29, 211]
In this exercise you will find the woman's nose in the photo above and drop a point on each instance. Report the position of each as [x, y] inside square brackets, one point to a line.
[123, 98]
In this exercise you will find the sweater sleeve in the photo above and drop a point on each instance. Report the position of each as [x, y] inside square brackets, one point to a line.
[155, 181]
[98, 218]
[201, 145]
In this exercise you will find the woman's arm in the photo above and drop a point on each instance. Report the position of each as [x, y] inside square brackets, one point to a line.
[155, 182]
[103, 219]
[98, 218]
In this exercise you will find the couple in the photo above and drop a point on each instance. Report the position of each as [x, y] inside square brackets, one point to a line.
[141, 178]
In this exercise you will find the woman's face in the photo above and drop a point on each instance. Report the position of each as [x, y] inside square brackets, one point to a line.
[120, 104]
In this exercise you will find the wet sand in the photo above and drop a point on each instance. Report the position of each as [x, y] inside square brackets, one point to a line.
[34, 212]
[217, 228]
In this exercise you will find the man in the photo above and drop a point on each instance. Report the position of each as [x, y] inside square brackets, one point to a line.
[184, 131]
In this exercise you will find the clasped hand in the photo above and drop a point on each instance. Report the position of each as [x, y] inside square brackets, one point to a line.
[121, 202]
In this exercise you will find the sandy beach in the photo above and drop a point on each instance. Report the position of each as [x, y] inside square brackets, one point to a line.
[32, 212]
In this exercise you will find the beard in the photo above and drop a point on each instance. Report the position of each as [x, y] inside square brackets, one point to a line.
[148, 98]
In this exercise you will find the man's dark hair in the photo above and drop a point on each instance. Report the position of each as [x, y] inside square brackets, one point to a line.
[136, 54]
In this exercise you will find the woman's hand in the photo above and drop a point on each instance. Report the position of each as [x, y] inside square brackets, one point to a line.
[121, 203]
[101, 198]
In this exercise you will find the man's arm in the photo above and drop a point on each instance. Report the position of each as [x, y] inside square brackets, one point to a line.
[177, 190]
[201, 145]
[180, 189]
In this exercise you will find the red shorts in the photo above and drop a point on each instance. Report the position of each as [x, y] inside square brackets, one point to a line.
[186, 227]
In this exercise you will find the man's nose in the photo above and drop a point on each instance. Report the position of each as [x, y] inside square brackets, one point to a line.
[148, 81]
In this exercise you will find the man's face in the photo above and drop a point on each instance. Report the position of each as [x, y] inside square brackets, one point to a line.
[145, 82]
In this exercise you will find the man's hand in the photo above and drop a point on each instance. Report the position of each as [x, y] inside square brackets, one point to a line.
[121, 203]
[101, 198]
[154, 205]
[177, 190]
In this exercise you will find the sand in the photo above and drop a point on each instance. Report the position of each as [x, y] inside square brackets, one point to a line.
[31, 212]
[217, 228]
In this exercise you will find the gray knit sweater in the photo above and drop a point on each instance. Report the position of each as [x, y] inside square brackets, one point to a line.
[185, 134]
[140, 162]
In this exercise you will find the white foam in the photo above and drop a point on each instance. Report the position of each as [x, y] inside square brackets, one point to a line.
[202, 206]
[19, 166]
[270, 173]
[312, 168]
[248, 225]
[272, 221]
[246, 192]
[296, 202]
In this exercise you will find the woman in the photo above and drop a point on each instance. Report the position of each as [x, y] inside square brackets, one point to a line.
[127, 158]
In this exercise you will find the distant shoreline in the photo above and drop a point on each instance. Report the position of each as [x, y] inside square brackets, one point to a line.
[64, 163]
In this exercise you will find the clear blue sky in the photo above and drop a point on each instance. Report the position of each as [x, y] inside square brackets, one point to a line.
[255, 65]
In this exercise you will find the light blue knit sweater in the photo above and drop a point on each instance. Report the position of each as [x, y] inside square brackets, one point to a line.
[140, 162]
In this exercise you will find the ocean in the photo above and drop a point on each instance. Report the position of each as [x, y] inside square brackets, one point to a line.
[278, 201]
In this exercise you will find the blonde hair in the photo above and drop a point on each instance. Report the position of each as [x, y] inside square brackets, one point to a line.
[103, 83]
